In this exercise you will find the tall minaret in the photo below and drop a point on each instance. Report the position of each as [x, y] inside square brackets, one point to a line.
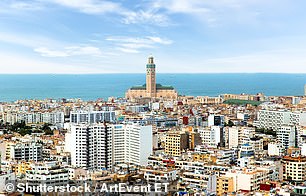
[151, 80]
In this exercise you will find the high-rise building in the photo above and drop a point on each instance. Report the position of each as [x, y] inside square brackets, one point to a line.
[274, 119]
[131, 143]
[92, 116]
[101, 146]
[286, 137]
[151, 89]
[89, 145]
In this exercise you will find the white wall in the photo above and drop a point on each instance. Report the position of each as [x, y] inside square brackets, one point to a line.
[146, 144]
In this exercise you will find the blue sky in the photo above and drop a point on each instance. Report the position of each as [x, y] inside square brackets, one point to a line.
[184, 36]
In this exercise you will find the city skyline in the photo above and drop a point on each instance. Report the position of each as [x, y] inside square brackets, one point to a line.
[88, 36]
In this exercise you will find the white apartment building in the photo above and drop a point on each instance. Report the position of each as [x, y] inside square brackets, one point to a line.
[131, 143]
[54, 118]
[211, 136]
[257, 144]
[29, 151]
[137, 108]
[205, 134]
[161, 176]
[286, 137]
[245, 134]
[274, 149]
[237, 136]
[244, 162]
[101, 146]
[224, 157]
[90, 146]
[199, 181]
[216, 120]
[303, 149]
[243, 116]
[92, 116]
[233, 137]
[274, 119]
[47, 172]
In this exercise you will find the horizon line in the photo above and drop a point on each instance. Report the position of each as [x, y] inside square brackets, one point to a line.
[110, 73]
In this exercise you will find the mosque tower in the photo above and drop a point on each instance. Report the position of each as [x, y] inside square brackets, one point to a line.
[151, 78]
[151, 89]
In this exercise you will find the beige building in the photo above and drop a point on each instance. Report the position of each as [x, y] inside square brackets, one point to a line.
[176, 143]
[247, 180]
[294, 168]
[151, 89]
[257, 97]
[225, 185]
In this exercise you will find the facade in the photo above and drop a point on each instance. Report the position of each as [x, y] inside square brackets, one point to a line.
[257, 97]
[209, 100]
[89, 145]
[92, 117]
[243, 116]
[101, 146]
[233, 137]
[246, 150]
[159, 176]
[225, 157]
[286, 137]
[211, 136]
[245, 134]
[30, 151]
[225, 185]
[274, 119]
[132, 144]
[47, 172]
[294, 168]
[151, 89]
[176, 143]
[274, 149]
[248, 180]
[257, 144]
[215, 120]
[54, 118]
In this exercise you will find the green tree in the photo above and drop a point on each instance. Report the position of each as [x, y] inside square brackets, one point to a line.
[47, 130]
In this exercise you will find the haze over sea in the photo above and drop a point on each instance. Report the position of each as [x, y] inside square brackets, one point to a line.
[91, 87]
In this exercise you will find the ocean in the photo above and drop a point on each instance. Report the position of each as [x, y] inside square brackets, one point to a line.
[94, 86]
